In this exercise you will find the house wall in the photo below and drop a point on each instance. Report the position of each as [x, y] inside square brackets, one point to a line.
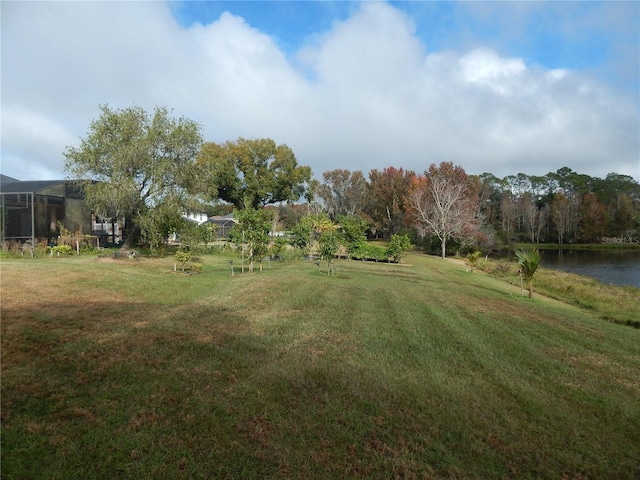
[199, 217]
[77, 216]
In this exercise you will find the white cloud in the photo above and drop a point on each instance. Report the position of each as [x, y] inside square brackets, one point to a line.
[36, 135]
[368, 94]
[245, 82]
[486, 68]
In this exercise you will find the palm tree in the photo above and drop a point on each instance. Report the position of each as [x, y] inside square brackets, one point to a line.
[472, 259]
[321, 225]
[529, 260]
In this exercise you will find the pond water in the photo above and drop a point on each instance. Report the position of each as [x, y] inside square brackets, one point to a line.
[607, 266]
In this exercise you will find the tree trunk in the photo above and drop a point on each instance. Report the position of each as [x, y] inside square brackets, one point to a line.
[443, 241]
[133, 237]
[530, 287]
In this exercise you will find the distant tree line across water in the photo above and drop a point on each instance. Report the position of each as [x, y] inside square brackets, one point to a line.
[559, 207]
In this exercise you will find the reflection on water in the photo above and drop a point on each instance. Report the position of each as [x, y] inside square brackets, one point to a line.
[606, 266]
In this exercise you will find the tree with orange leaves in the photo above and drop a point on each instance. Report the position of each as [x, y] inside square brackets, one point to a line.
[387, 200]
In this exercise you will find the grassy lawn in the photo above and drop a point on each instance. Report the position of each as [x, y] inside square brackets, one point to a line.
[125, 369]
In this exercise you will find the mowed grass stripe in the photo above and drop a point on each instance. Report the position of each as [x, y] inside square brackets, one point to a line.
[381, 371]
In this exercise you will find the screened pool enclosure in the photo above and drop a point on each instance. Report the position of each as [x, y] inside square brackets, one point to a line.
[34, 210]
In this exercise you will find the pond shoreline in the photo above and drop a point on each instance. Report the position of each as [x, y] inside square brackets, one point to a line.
[610, 302]
[576, 246]
[610, 264]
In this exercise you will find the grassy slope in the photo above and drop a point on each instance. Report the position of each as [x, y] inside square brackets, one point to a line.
[125, 370]
[609, 302]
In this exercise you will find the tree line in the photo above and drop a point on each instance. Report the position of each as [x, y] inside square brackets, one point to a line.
[559, 207]
[150, 168]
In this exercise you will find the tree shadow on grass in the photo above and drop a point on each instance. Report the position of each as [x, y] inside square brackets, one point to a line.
[105, 384]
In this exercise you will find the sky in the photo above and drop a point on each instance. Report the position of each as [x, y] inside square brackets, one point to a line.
[498, 87]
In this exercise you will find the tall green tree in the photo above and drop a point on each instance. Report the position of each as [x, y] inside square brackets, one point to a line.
[353, 230]
[138, 166]
[572, 183]
[252, 173]
[626, 216]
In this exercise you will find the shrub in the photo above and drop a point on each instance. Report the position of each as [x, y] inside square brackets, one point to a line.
[370, 252]
[501, 268]
[397, 246]
[41, 248]
[278, 246]
[182, 257]
[291, 255]
[61, 250]
[353, 231]
[12, 248]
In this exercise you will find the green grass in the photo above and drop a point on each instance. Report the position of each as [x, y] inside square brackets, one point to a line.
[618, 304]
[125, 369]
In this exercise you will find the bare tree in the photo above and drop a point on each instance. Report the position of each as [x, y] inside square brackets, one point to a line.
[542, 221]
[562, 215]
[529, 213]
[441, 203]
[509, 211]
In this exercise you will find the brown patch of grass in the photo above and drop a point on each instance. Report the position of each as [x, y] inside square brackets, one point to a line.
[598, 368]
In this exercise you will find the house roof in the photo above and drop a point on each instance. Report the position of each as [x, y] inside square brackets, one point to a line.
[30, 186]
[222, 221]
[6, 179]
